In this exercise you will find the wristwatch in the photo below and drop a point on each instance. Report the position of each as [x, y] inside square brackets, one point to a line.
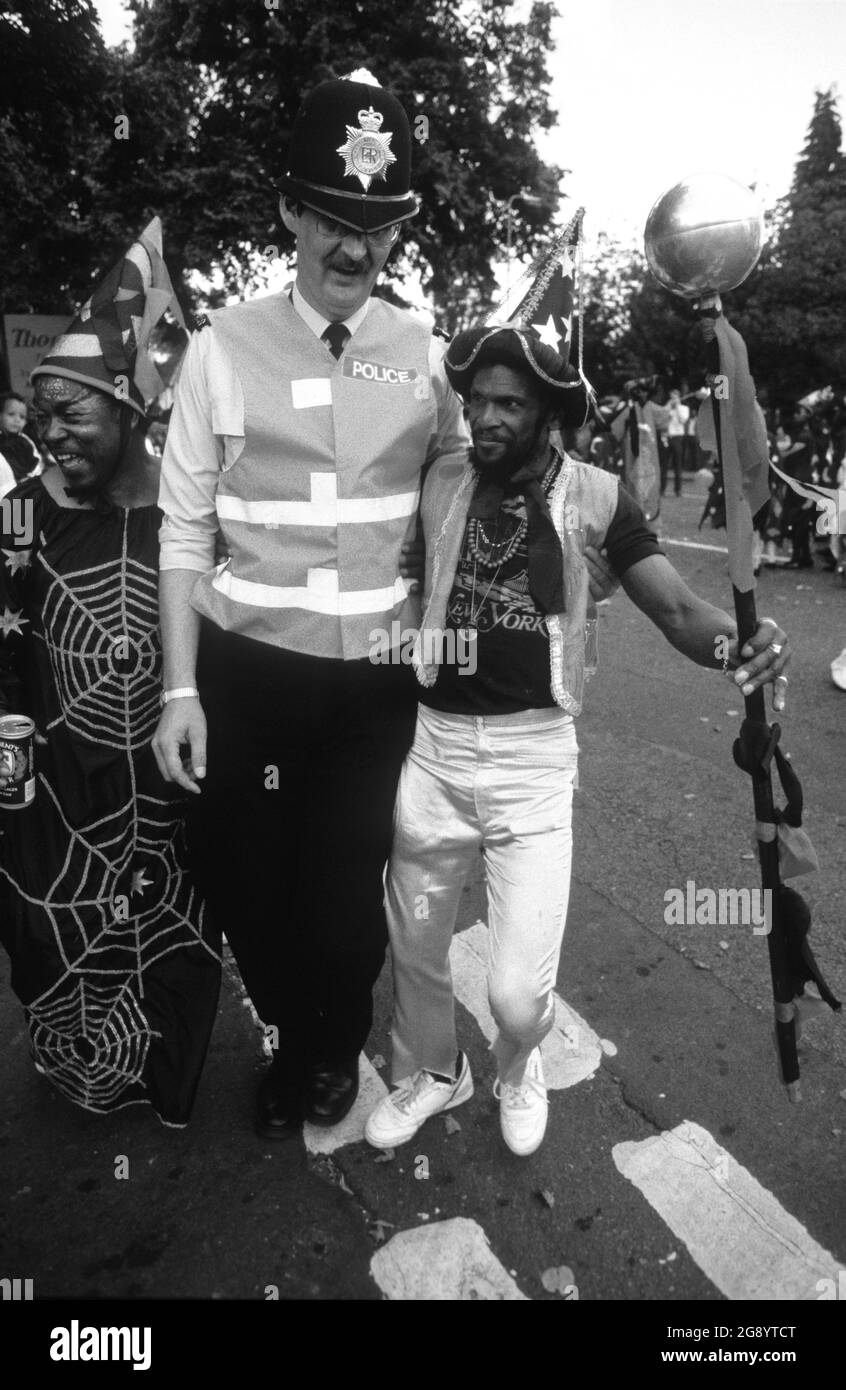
[183, 692]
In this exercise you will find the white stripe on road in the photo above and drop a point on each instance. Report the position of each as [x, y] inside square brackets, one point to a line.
[571, 1051]
[736, 1231]
[450, 1260]
[693, 545]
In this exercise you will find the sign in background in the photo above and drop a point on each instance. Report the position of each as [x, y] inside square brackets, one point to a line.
[29, 337]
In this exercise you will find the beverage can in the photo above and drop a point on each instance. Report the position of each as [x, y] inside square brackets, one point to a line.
[17, 761]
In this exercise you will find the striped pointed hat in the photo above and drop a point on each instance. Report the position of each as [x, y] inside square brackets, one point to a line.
[106, 346]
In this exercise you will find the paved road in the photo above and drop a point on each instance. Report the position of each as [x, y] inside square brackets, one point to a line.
[674, 1168]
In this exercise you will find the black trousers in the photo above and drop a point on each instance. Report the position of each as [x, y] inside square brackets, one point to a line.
[291, 833]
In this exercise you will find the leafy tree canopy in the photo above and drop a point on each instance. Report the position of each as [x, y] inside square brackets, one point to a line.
[194, 125]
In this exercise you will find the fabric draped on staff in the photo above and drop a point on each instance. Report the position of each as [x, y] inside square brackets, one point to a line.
[735, 427]
[704, 236]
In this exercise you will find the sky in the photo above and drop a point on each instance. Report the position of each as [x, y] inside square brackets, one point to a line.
[648, 91]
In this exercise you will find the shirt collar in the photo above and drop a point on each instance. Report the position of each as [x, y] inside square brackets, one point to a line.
[317, 323]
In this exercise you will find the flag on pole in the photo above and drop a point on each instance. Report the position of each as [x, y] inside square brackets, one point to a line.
[745, 452]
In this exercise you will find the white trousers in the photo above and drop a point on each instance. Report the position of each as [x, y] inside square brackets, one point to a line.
[501, 784]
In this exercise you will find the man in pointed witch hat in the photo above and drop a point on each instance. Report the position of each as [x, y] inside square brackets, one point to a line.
[301, 424]
[113, 954]
[493, 763]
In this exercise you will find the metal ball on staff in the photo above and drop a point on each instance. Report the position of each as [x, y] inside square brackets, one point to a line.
[704, 236]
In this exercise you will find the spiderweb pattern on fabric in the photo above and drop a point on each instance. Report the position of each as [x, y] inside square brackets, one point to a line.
[100, 627]
[115, 899]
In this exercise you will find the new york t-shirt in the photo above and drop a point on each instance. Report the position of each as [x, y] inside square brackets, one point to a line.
[491, 597]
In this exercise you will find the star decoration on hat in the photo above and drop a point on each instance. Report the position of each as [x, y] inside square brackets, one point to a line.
[366, 152]
[11, 622]
[17, 559]
[551, 334]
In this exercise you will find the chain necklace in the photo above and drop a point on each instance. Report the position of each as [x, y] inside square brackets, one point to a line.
[498, 551]
[472, 623]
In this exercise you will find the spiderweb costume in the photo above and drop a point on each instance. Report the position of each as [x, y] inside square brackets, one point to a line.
[112, 953]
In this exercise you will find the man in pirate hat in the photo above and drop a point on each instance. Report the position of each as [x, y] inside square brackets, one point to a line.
[301, 424]
[493, 763]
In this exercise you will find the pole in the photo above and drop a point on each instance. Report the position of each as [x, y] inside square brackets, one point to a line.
[760, 739]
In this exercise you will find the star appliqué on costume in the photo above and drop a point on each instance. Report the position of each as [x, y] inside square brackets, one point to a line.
[549, 334]
[17, 559]
[11, 622]
[140, 882]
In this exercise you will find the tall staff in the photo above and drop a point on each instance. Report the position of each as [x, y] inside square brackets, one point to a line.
[702, 237]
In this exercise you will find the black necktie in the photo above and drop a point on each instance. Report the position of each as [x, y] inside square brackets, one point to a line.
[335, 336]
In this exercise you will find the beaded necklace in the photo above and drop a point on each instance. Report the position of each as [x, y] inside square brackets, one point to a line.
[497, 551]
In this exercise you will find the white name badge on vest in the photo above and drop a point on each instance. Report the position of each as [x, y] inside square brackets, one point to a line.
[360, 370]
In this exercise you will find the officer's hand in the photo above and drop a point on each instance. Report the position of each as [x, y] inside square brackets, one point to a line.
[602, 580]
[413, 561]
[182, 725]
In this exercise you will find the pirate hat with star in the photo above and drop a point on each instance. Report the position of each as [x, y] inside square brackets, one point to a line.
[350, 155]
[530, 330]
[107, 343]
[521, 349]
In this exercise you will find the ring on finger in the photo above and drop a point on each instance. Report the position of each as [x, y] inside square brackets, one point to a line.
[783, 680]
[777, 647]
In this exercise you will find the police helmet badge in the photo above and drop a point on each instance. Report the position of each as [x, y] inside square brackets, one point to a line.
[365, 182]
[366, 152]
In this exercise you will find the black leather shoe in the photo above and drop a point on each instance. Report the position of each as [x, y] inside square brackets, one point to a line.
[330, 1091]
[279, 1106]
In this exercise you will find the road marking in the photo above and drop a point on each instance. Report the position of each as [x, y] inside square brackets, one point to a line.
[737, 1232]
[693, 545]
[449, 1260]
[571, 1052]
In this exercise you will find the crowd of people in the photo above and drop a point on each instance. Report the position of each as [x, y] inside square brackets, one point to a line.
[192, 635]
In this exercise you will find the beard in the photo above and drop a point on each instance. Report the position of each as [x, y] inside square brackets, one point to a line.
[500, 471]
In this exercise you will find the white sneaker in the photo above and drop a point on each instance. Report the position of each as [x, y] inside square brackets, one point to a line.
[838, 670]
[398, 1116]
[523, 1109]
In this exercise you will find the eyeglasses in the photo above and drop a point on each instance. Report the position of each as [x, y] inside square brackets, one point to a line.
[328, 227]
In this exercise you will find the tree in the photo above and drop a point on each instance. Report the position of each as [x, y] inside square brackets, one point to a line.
[473, 83]
[53, 129]
[195, 122]
[793, 307]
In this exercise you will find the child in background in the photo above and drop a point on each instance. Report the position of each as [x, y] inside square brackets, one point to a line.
[19, 457]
